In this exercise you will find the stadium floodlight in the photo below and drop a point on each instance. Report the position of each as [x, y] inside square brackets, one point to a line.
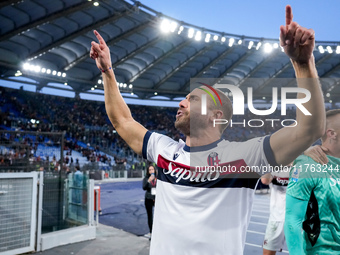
[131, 93]
[180, 30]
[198, 36]
[54, 72]
[328, 95]
[231, 42]
[239, 42]
[92, 88]
[65, 83]
[329, 49]
[258, 45]
[223, 39]
[173, 26]
[321, 49]
[48, 71]
[59, 73]
[267, 48]
[37, 69]
[155, 93]
[95, 86]
[99, 81]
[124, 85]
[63, 75]
[26, 66]
[275, 45]
[96, 4]
[165, 25]
[43, 70]
[330, 101]
[31, 68]
[191, 32]
[337, 49]
[215, 37]
[18, 73]
[130, 86]
[250, 45]
[207, 38]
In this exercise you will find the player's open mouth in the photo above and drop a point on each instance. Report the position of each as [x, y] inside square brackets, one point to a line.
[179, 113]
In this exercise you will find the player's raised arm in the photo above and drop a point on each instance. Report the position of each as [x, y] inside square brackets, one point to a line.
[119, 113]
[298, 43]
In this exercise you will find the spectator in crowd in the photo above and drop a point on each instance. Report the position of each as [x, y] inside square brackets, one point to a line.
[149, 185]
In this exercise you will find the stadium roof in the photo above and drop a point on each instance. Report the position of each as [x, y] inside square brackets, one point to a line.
[49, 41]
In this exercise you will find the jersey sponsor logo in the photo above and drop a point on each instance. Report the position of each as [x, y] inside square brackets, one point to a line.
[280, 181]
[181, 174]
[185, 173]
[197, 174]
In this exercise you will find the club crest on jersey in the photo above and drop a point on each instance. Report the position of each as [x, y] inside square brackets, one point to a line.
[213, 159]
[176, 155]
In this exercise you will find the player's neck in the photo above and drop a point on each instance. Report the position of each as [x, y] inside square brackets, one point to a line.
[333, 148]
[200, 140]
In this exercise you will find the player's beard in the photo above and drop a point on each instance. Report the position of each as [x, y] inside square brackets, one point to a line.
[191, 119]
[182, 123]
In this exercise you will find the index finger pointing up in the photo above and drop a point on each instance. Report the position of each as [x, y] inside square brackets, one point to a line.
[289, 15]
[99, 37]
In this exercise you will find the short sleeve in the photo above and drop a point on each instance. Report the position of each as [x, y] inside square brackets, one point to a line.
[155, 144]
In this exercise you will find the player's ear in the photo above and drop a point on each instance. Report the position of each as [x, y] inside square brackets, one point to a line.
[331, 133]
[218, 114]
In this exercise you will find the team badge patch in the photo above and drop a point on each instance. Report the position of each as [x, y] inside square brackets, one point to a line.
[176, 155]
[213, 159]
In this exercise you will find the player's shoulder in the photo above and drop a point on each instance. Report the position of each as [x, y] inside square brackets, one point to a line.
[304, 160]
[305, 168]
[165, 141]
[333, 160]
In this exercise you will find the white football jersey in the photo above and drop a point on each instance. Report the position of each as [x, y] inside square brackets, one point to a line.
[200, 212]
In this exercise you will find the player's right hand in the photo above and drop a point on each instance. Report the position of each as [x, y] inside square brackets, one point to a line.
[100, 52]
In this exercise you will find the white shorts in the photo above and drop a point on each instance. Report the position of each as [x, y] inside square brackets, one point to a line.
[274, 238]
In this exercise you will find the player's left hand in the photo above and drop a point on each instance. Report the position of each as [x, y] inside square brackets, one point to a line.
[298, 42]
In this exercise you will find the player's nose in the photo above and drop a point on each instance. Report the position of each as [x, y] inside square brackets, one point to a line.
[183, 103]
